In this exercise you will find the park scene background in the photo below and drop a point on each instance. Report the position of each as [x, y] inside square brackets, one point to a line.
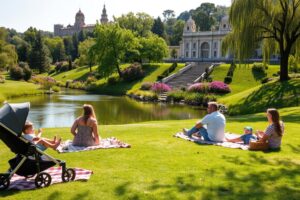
[120, 67]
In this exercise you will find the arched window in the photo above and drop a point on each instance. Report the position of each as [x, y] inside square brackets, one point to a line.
[205, 50]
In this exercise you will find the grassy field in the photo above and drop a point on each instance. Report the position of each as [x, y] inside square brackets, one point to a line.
[11, 89]
[243, 77]
[159, 166]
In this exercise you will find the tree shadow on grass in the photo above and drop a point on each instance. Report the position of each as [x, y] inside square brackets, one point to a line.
[278, 94]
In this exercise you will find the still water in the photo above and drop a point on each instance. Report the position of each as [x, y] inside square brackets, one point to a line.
[60, 110]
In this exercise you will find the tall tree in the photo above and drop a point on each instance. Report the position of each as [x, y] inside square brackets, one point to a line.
[85, 57]
[8, 55]
[168, 14]
[153, 48]
[158, 27]
[111, 46]
[270, 23]
[139, 23]
[184, 16]
[56, 48]
[38, 56]
[74, 52]
[22, 47]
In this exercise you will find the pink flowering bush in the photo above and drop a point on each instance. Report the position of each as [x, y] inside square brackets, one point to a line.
[198, 87]
[219, 87]
[160, 87]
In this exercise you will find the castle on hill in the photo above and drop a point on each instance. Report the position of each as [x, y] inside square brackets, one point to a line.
[79, 25]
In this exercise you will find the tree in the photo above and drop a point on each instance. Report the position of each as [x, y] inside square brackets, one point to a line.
[153, 48]
[269, 23]
[140, 24]
[158, 27]
[177, 32]
[112, 43]
[39, 57]
[75, 42]
[184, 16]
[8, 55]
[68, 45]
[85, 57]
[22, 47]
[168, 14]
[203, 16]
[56, 48]
[30, 35]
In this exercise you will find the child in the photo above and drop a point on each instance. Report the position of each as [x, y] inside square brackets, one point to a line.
[41, 143]
[246, 137]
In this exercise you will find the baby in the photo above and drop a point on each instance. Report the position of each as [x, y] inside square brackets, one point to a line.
[41, 143]
[246, 137]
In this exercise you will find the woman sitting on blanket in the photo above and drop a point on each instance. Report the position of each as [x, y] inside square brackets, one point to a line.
[85, 128]
[272, 136]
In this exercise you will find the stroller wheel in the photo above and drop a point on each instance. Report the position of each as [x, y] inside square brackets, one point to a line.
[68, 175]
[4, 182]
[43, 180]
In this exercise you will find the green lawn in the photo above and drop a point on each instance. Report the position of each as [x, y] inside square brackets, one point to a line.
[243, 77]
[159, 166]
[11, 89]
[80, 73]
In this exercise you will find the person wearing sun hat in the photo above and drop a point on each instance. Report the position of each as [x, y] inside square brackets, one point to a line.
[246, 137]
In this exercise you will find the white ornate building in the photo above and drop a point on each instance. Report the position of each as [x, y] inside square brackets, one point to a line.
[203, 44]
[79, 25]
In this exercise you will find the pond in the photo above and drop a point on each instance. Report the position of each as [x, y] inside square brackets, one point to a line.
[60, 110]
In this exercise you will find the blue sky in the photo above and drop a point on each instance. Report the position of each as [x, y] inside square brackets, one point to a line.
[43, 14]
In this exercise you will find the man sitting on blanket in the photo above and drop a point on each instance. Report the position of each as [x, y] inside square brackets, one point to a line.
[211, 127]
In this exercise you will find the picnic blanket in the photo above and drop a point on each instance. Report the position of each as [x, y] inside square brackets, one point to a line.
[106, 143]
[21, 183]
[223, 144]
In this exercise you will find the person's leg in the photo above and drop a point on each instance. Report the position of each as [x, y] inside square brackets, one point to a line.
[204, 134]
[48, 144]
[191, 131]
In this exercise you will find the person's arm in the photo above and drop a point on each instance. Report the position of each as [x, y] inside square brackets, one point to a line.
[259, 134]
[238, 139]
[199, 125]
[74, 127]
[95, 132]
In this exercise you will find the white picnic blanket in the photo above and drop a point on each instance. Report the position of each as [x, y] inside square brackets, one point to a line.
[106, 143]
[223, 144]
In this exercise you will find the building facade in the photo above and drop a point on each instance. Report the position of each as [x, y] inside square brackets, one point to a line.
[79, 25]
[199, 45]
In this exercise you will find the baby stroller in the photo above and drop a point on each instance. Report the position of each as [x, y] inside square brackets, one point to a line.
[29, 161]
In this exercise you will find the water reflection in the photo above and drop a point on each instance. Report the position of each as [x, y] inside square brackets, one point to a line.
[60, 110]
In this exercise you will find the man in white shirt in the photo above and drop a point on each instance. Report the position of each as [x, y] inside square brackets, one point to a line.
[211, 127]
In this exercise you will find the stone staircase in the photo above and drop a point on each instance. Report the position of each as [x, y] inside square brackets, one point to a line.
[187, 77]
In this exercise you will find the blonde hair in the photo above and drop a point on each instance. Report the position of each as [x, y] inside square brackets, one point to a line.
[213, 104]
[88, 112]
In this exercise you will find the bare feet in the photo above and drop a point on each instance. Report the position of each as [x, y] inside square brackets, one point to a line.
[57, 143]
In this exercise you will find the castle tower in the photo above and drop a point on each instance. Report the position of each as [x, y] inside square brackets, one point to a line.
[79, 20]
[190, 26]
[104, 19]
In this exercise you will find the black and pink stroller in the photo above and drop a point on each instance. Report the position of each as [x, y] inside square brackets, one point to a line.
[29, 161]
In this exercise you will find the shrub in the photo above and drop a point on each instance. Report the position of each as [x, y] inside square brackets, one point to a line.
[2, 79]
[228, 79]
[133, 72]
[258, 67]
[64, 67]
[176, 96]
[219, 87]
[16, 73]
[198, 87]
[146, 86]
[112, 80]
[48, 82]
[160, 87]
[293, 65]
[167, 71]
[194, 98]
[27, 73]
[55, 88]
[90, 80]
[143, 95]
[77, 85]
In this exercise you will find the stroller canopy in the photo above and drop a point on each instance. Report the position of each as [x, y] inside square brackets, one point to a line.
[13, 116]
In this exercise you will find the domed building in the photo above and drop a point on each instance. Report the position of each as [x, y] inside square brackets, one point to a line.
[201, 45]
[79, 25]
